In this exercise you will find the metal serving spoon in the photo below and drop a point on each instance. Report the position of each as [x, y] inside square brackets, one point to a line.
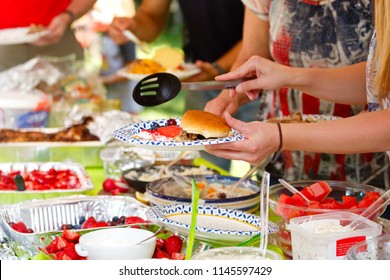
[158, 88]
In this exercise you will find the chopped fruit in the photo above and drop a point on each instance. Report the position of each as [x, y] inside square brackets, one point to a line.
[173, 244]
[178, 256]
[160, 243]
[115, 186]
[71, 236]
[70, 251]
[134, 220]
[109, 184]
[320, 190]
[20, 227]
[56, 245]
[160, 254]
[89, 223]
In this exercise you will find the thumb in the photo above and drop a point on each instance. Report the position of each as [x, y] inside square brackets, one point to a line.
[232, 122]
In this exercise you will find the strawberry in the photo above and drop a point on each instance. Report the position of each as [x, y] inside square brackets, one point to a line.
[109, 184]
[173, 244]
[56, 245]
[178, 256]
[134, 220]
[89, 223]
[160, 254]
[70, 251]
[160, 243]
[71, 236]
[61, 255]
[20, 227]
[100, 224]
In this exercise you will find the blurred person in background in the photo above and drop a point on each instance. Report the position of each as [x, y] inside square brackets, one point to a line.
[212, 40]
[55, 15]
[114, 56]
[310, 34]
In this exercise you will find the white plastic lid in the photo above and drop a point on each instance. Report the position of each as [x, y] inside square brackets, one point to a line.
[19, 100]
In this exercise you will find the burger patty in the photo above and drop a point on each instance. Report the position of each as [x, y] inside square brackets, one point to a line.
[185, 136]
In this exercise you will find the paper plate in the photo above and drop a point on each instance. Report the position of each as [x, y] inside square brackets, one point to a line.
[19, 35]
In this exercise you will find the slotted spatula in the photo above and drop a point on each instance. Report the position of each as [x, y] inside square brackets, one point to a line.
[162, 87]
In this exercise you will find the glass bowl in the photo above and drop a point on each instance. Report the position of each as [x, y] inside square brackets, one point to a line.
[372, 249]
[284, 212]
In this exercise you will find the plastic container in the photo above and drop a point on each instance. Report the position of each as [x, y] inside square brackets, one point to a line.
[373, 249]
[333, 237]
[236, 253]
[21, 110]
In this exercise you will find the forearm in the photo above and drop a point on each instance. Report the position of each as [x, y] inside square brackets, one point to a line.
[150, 19]
[80, 7]
[227, 60]
[346, 85]
[366, 132]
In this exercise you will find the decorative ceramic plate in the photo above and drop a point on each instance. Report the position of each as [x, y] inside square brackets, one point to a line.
[19, 35]
[189, 70]
[214, 224]
[129, 134]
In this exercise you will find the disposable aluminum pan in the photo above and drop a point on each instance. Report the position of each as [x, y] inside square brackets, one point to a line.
[10, 197]
[45, 218]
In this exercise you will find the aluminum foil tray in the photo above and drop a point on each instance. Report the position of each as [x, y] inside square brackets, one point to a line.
[45, 218]
[10, 197]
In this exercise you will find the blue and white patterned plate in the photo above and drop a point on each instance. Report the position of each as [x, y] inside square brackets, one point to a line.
[215, 225]
[129, 134]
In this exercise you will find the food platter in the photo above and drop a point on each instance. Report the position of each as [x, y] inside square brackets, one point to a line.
[215, 225]
[188, 70]
[19, 35]
[129, 134]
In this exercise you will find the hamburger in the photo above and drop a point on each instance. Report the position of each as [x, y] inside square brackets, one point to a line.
[198, 125]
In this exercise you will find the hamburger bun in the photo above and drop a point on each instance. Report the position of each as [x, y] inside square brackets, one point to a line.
[204, 123]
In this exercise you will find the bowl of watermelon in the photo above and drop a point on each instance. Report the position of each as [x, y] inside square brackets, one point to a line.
[324, 196]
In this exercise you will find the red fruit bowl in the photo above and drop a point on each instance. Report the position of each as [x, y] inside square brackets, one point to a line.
[339, 199]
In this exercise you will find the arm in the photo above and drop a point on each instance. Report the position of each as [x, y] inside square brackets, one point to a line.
[255, 42]
[366, 132]
[62, 21]
[146, 24]
[208, 71]
[344, 85]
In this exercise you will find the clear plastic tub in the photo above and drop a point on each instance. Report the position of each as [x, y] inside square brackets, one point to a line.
[327, 236]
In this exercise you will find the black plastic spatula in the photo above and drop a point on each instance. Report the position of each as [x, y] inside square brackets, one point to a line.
[162, 87]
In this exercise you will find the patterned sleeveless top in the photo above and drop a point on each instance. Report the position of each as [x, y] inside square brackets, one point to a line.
[326, 34]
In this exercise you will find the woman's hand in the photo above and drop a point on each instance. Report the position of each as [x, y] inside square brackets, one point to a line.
[260, 141]
[56, 30]
[116, 28]
[269, 75]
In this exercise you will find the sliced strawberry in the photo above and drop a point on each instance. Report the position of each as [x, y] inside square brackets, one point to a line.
[89, 223]
[160, 254]
[61, 255]
[56, 245]
[134, 220]
[178, 256]
[100, 224]
[20, 227]
[173, 244]
[71, 236]
[70, 251]
[160, 243]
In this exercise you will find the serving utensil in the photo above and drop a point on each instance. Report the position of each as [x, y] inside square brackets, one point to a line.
[150, 237]
[194, 214]
[158, 88]
[382, 201]
[292, 189]
[143, 46]
[264, 199]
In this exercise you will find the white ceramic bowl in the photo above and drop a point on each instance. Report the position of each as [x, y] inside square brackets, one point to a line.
[236, 253]
[116, 244]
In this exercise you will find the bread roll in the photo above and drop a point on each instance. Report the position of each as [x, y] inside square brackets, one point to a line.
[204, 123]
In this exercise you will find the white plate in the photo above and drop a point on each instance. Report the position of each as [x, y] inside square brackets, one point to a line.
[214, 224]
[19, 35]
[189, 70]
[129, 134]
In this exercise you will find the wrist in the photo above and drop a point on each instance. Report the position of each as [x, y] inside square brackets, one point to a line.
[70, 15]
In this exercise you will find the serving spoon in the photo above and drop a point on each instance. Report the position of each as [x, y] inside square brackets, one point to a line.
[158, 88]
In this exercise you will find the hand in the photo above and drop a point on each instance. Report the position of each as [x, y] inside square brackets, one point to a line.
[222, 103]
[260, 141]
[270, 75]
[56, 29]
[207, 72]
[116, 28]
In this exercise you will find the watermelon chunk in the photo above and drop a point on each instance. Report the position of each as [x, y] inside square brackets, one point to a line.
[320, 190]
